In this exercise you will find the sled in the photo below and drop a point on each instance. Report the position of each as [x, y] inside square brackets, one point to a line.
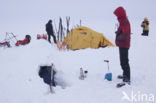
[3, 44]
[10, 38]
[25, 41]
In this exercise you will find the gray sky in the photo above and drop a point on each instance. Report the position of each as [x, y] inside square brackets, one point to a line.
[29, 15]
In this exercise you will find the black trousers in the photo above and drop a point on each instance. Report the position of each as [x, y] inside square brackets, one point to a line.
[145, 33]
[49, 37]
[124, 62]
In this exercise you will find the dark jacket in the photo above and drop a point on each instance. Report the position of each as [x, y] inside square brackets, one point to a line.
[123, 32]
[49, 28]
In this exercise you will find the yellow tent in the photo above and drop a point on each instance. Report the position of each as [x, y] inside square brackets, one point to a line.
[83, 37]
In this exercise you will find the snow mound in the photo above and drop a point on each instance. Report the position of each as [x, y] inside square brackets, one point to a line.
[20, 81]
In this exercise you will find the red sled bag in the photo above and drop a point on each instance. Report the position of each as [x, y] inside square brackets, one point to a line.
[44, 36]
[38, 36]
[5, 44]
[25, 41]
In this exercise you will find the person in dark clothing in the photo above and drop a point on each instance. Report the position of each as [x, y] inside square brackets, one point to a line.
[50, 32]
[145, 25]
[123, 42]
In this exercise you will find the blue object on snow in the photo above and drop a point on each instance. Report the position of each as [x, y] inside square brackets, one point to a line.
[108, 76]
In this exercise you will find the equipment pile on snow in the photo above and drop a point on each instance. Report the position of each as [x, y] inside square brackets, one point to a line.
[44, 36]
[25, 41]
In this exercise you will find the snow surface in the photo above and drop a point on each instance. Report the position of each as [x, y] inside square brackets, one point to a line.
[20, 81]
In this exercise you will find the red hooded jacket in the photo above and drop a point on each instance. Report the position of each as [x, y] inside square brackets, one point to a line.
[123, 32]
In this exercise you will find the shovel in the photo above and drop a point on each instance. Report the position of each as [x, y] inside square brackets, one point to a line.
[108, 75]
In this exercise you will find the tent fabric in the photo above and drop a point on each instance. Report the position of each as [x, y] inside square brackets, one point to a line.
[83, 37]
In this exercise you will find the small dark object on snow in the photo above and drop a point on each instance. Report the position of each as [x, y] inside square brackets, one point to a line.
[28, 37]
[120, 85]
[83, 74]
[81, 77]
[123, 83]
[85, 71]
[45, 73]
[120, 77]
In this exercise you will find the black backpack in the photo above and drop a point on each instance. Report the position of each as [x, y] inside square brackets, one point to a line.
[28, 37]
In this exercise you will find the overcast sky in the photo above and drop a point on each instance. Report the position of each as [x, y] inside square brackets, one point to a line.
[29, 13]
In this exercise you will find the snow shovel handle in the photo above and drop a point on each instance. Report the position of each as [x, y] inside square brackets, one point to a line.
[106, 60]
[107, 63]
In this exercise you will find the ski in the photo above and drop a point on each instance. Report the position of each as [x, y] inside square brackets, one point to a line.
[68, 20]
[56, 31]
[60, 31]
[119, 85]
[9, 37]
[123, 84]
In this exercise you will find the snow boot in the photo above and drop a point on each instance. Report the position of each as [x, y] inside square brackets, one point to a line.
[120, 76]
[125, 81]
[123, 84]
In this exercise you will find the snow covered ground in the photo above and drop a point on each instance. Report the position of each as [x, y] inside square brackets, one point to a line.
[20, 81]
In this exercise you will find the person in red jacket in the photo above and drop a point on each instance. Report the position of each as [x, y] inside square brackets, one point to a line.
[123, 42]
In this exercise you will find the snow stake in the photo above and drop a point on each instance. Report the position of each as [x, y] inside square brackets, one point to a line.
[83, 74]
[52, 78]
[81, 77]
[108, 75]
